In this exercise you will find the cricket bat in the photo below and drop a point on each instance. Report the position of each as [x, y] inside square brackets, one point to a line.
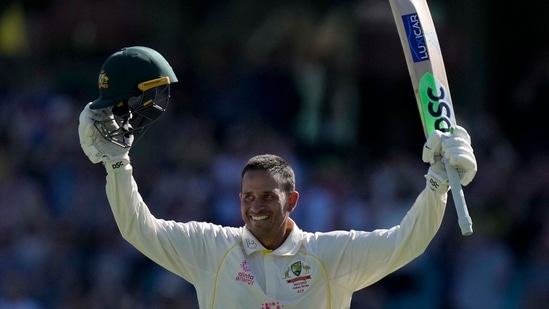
[426, 67]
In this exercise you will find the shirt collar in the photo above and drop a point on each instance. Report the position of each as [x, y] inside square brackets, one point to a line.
[289, 247]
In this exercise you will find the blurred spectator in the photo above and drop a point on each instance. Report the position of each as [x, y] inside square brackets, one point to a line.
[15, 293]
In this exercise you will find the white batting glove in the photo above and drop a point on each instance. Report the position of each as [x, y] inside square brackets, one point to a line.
[96, 147]
[454, 149]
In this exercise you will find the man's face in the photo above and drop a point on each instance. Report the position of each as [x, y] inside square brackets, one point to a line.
[265, 208]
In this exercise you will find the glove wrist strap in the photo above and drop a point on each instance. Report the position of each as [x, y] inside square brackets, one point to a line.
[115, 166]
[437, 185]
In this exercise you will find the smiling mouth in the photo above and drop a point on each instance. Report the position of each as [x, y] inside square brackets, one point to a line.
[259, 218]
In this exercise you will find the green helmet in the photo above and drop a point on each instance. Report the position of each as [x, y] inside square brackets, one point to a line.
[125, 70]
[134, 83]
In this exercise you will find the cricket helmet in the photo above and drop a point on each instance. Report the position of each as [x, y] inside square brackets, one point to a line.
[134, 83]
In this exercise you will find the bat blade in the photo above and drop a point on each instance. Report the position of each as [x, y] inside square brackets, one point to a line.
[425, 63]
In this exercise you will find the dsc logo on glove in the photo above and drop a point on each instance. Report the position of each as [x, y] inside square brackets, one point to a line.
[118, 164]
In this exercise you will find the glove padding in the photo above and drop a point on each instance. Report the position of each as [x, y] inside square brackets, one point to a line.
[453, 148]
[95, 146]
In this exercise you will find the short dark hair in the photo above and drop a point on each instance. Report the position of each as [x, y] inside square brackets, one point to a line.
[276, 166]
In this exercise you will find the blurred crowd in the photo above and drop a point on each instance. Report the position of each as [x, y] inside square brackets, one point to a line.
[321, 83]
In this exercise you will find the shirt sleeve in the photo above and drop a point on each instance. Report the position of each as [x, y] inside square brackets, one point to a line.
[358, 258]
[189, 249]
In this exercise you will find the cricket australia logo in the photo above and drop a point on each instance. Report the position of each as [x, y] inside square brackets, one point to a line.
[103, 80]
[298, 275]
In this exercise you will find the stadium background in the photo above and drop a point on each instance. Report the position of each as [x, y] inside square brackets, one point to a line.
[324, 84]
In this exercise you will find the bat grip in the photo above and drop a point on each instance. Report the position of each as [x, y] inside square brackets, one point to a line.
[464, 220]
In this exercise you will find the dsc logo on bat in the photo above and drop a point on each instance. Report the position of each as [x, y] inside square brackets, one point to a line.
[436, 104]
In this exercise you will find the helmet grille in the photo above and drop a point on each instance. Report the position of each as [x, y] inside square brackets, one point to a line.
[135, 115]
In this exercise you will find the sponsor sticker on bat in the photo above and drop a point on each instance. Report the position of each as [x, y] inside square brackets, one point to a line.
[416, 37]
[436, 104]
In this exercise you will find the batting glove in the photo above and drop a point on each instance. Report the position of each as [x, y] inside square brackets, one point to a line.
[453, 148]
[95, 146]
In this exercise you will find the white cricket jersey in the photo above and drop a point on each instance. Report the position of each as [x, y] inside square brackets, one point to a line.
[229, 267]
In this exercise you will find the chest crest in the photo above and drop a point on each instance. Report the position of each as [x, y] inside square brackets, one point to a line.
[297, 276]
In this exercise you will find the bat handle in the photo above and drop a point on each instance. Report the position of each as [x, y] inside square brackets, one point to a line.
[464, 220]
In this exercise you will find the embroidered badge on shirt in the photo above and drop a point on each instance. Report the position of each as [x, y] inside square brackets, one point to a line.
[298, 274]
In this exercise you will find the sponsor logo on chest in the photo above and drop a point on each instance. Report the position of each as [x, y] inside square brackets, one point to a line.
[245, 275]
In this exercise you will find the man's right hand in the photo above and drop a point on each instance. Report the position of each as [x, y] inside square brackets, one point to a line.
[96, 147]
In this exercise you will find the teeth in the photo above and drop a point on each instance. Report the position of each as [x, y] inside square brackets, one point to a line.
[259, 217]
